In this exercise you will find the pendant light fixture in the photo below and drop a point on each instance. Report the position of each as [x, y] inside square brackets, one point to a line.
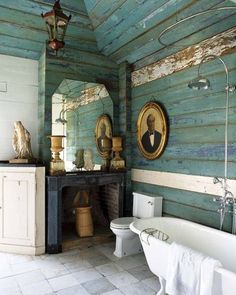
[56, 22]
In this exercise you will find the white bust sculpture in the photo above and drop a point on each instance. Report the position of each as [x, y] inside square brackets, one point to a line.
[21, 142]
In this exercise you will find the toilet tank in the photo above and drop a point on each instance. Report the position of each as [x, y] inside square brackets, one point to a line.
[145, 206]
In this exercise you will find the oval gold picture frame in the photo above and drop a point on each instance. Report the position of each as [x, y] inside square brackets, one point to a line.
[103, 122]
[151, 130]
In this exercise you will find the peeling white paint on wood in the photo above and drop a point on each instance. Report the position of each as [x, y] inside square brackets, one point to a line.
[194, 183]
[88, 95]
[217, 45]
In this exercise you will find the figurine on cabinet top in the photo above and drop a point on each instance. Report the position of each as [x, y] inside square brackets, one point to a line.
[21, 144]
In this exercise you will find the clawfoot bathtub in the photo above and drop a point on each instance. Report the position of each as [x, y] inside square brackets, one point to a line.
[211, 242]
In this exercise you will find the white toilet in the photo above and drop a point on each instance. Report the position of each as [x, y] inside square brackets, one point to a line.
[127, 242]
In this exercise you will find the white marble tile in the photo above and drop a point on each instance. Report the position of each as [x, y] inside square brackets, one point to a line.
[5, 271]
[29, 278]
[75, 290]
[141, 272]
[132, 261]
[98, 260]
[86, 275]
[114, 292]
[14, 259]
[109, 269]
[153, 283]
[70, 272]
[8, 283]
[52, 272]
[68, 252]
[45, 263]
[62, 282]
[39, 288]
[10, 292]
[137, 289]
[52, 268]
[98, 286]
[89, 252]
[108, 250]
[78, 265]
[24, 267]
[69, 258]
[122, 279]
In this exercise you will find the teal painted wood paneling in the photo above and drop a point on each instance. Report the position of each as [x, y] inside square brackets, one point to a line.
[19, 52]
[153, 13]
[144, 56]
[188, 205]
[125, 30]
[196, 137]
[36, 22]
[127, 16]
[101, 11]
[147, 43]
[23, 26]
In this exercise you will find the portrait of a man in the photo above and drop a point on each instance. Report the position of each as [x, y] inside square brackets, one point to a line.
[103, 133]
[151, 138]
[152, 130]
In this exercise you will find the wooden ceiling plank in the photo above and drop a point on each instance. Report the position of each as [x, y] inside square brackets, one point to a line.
[104, 10]
[149, 38]
[90, 4]
[41, 36]
[195, 38]
[76, 6]
[129, 14]
[154, 25]
[22, 19]
[147, 56]
[34, 34]
[35, 8]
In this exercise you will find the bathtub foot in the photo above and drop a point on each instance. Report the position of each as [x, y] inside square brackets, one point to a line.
[163, 286]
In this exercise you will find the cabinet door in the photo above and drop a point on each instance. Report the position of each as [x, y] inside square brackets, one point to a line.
[17, 199]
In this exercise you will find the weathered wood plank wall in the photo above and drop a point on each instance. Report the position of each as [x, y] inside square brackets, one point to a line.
[196, 136]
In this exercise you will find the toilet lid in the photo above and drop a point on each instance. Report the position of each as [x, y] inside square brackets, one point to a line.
[122, 222]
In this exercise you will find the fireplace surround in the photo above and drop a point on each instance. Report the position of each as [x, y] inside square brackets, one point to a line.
[113, 182]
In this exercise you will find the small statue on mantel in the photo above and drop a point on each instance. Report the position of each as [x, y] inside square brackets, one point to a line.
[79, 159]
[88, 160]
[21, 144]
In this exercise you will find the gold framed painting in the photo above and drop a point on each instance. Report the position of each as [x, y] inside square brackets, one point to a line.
[152, 130]
[103, 132]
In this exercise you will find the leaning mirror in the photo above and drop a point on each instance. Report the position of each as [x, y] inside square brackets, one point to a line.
[76, 107]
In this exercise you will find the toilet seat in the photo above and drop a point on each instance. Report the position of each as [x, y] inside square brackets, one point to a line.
[122, 222]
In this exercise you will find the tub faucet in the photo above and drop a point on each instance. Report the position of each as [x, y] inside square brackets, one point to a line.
[227, 203]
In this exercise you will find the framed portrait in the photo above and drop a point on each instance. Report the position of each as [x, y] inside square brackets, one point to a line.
[103, 131]
[152, 130]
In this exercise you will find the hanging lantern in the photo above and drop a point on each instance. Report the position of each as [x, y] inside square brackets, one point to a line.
[56, 22]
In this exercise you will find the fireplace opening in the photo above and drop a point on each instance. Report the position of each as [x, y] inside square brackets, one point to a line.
[104, 202]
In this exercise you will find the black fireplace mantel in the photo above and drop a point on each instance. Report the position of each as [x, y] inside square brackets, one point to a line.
[82, 180]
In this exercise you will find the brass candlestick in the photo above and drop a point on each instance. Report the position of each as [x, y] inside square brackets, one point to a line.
[117, 162]
[57, 165]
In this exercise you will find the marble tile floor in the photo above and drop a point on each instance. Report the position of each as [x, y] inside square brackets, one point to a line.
[83, 271]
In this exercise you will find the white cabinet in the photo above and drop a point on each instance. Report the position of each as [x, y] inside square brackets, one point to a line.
[22, 209]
